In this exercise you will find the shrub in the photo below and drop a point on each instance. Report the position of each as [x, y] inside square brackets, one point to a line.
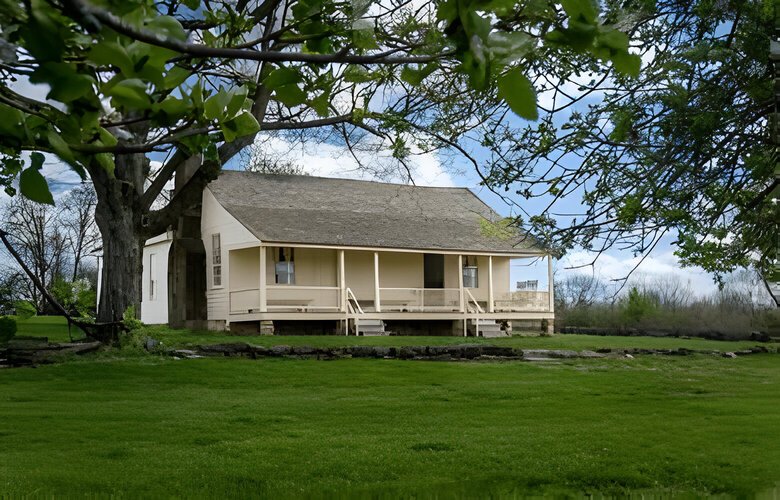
[7, 329]
[77, 297]
[129, 319]
[637, 307]
[24, 309]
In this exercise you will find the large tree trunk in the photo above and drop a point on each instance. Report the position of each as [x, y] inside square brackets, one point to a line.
[118, 216]
[122, 260]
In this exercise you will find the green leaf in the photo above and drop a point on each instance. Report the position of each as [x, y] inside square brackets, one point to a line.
[580, 10]
[447, 11]
[241, 125]
[130, 93]
[106, 161]
[306, 8]
[175, 77]
[627, 63]
[11, 122]
[109, 53]
[414, 76]
[580, 35]
[60, 147]
[290, 95]
[106, 138]
[356, 74]
[614, 39]
[500, 7]
[237, 100]
[281, 77]
[66, 83]
[32, 184]
[212, 109]
[321, 104]
[172, 108]
[169, 26]
[364, 39]
[510, 47]
[191, 4]
[149, 61]
[42, 35]
[518, 92]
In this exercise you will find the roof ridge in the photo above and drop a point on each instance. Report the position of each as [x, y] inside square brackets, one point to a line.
[260, 174]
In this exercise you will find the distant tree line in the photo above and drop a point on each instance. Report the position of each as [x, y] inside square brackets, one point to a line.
[665, 304]
[59, 244]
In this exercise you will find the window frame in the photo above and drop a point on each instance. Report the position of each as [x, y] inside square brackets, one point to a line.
[466, 278]
[216, 261]
[289, 273]
[152, 281]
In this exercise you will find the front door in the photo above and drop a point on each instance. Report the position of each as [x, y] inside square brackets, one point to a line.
[433, 269]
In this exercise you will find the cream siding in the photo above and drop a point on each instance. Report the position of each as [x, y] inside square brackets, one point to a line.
[359, 272]
[215, 219]
[400, 270]
[313, 267]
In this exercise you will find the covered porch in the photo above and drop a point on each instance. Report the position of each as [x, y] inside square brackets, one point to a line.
[289, 282]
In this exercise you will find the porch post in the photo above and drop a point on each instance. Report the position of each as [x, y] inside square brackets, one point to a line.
[342, 282]
[490, 284]
[263, 279]
[460, 283]
[377, 305]
[550, 283]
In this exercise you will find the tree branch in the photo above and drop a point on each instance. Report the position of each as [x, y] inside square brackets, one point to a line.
[196, 50]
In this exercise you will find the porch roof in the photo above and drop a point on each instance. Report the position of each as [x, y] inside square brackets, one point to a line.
[327, 211]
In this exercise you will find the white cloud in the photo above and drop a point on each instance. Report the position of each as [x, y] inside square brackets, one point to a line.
[328, 160]
[614, 267]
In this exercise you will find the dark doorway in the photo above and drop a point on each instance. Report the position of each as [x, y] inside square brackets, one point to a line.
[433, 268]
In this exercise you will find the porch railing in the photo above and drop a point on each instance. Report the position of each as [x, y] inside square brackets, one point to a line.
[291, 298]
[419, 299]
[522, 301]
[244, 300]
[301, 298]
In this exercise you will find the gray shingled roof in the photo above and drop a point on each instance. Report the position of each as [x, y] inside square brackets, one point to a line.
[318, 210]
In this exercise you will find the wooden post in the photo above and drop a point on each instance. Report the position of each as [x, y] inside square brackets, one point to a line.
[342, 281]
[460, 283]
[550, 283]
[263, 279]
[377, 305]
[490, 284]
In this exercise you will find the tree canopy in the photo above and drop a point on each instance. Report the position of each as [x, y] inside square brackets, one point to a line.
[196, 80]
[683, 150]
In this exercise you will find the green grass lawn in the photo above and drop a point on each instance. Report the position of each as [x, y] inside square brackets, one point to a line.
[218, 427]
[55, 328]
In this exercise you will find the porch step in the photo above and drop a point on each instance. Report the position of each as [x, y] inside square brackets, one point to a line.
[487, 329]
[371, 327]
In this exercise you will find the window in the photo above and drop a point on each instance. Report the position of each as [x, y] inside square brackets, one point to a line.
[285, 273]
[216, 260]
[152, 281]
[470, 273]
[285, 267]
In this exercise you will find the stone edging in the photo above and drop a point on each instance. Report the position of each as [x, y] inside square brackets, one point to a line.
[462, 352]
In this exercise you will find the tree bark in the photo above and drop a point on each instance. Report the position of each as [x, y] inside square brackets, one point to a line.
[122, 259]
[118, 215]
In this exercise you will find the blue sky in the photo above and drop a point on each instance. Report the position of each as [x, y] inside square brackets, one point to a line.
[333, 161]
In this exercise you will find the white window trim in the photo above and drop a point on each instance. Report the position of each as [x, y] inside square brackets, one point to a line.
[152, 281]
[476, 276]
[215, 265]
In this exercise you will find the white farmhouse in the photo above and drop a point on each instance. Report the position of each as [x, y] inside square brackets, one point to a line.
[300, 254]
